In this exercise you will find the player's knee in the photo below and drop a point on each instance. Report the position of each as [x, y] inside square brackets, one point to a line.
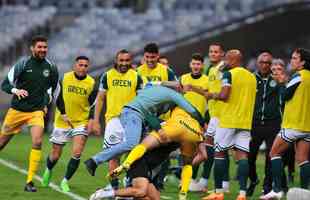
[301, 158]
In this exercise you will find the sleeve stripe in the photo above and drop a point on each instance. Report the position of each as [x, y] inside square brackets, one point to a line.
[294, 81]
[11, 75]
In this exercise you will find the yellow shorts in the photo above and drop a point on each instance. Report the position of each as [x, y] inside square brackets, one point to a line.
[180, 127]
[14, 120]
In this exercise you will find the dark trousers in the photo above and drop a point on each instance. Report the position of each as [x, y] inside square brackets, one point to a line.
[262, 131]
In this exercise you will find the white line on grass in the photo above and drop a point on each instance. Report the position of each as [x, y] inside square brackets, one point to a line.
[165, 197]
[52, 185]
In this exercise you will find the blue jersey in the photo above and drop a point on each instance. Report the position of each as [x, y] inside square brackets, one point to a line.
[157, 100]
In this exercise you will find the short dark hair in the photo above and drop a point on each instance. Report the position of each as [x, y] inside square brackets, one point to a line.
[81, 58]
[198, 56]
[38, 38]
[304, 56]
[151, 48]
[217, 44]
[122, 51]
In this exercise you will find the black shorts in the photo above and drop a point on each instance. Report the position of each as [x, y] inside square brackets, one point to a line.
[148, 166]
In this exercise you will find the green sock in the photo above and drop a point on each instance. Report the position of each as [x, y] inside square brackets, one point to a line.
[72, 167]
[276, 170]
[114, 183]
[243, 172]
[219, 168]
[226, 172]
[207, 166]
[195, 171]
[50, 163]
[304, 175]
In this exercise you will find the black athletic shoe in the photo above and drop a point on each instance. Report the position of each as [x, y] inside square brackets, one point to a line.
[91, 166]
[250, 190]
[29, 187]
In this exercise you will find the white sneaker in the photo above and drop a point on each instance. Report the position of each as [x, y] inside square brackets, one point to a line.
[195, 186]
[272, 195]
[101, 193]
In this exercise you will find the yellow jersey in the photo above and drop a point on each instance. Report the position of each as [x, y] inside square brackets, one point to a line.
[215, 76]
[296, 111]
[77, 96]
[197, 100]
[120, 89]
[237, 111]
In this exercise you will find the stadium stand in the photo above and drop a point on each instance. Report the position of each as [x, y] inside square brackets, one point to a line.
[102, 31]
[16, 23]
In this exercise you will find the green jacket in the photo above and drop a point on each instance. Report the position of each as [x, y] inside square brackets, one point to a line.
[38, 77]
[268, 99]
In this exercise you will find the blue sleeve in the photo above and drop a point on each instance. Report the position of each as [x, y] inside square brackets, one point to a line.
[185, 105]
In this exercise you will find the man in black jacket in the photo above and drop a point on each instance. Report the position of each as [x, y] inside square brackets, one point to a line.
[267, 119]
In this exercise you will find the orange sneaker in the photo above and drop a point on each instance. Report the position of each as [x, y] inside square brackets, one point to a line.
[214, 196]
[241, 197]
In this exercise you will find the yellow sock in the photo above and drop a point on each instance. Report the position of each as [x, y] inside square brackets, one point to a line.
[34, 161]
[136, 153]
[186, 177]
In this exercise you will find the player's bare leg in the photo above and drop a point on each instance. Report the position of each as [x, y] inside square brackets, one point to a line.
[4, 140]
[35, 156]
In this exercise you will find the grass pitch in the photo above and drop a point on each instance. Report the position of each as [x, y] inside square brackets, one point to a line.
[82, 184]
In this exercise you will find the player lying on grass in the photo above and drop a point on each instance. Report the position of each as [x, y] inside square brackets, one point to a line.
[143, 174]
[181, 128]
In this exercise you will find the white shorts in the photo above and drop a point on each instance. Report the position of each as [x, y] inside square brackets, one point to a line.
[62, 136]
[226, 138]
[213, 124]
[291, 135]
[113, 133]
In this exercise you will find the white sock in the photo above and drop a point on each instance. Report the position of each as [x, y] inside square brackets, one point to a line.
[242, 192]
[225, 184]
[203, 181]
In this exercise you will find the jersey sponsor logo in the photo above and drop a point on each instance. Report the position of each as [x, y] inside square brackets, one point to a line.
[121, 83]
[77, 90]
[46, 72]
[154, 78]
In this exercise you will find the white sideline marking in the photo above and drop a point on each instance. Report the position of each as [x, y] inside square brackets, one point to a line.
[165, 197]
[51, 185]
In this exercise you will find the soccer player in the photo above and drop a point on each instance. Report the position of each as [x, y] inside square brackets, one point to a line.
[266, 120]
[148, 104]
[32, 81]
[143, 173]
[238, 95]
[195, 84]
[295, 126]
[181, 128]
[118, 86]
[215, 73]
[164, 61]
[151, 68]
[73, 119]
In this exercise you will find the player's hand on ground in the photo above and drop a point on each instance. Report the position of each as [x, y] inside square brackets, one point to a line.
[67, 120]
[96, 127]
[118, 171]
[182, 196]
[20, 93]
